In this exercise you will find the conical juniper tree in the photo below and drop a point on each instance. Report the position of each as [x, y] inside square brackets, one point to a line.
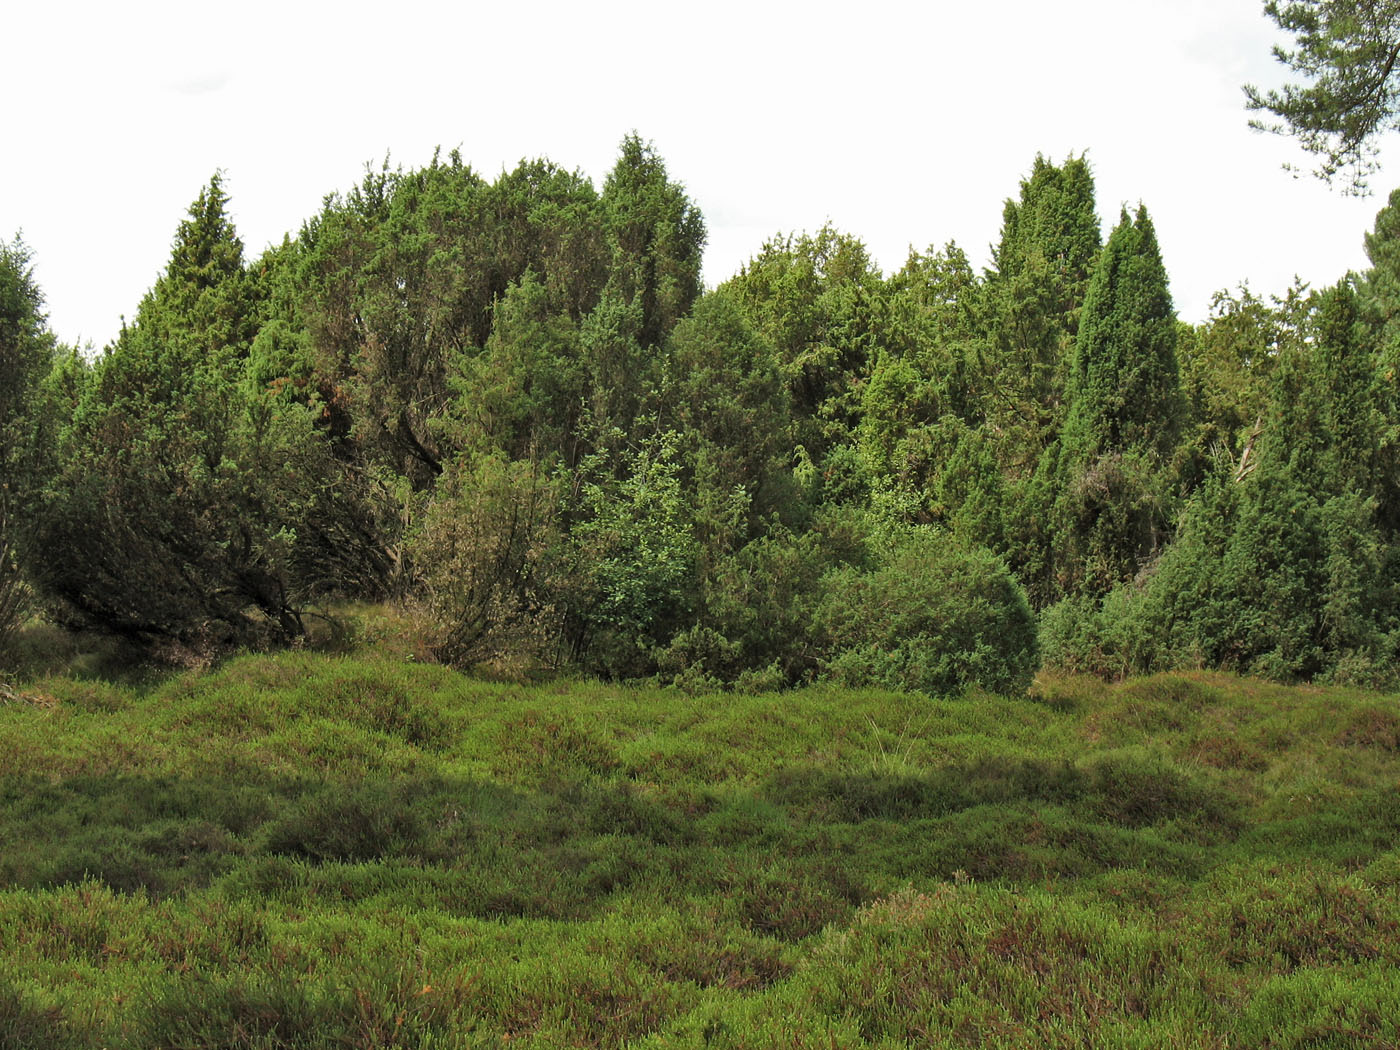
[657, 236]
[1032, 298]
[177, 490]
[1041, 268]
[1123, 383]
[1124, 414]
[1053, 223]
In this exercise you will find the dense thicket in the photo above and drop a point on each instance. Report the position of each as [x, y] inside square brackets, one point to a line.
[26, 355]
[511, 406]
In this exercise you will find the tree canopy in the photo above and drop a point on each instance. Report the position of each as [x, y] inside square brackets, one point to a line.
[510, 406]
[1347, 54]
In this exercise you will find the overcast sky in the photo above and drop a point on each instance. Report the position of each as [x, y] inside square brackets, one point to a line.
[901, 123]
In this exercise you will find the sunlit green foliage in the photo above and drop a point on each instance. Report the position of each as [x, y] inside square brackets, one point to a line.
[932, 617]
[815, 298]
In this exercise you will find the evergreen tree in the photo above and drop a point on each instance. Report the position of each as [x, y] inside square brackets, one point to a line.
[1380, 284]
[1123, 384]
[820, 301]
[1124, 414]
[1282, 564]
[657, 237]
[1347, 51]
[1052, 231]
[926, 388]
[26, 354]
[1042, 265]
[178, 491]
[1226, 368]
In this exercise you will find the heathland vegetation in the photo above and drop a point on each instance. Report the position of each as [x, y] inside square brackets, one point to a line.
[401, 632]
[319, 850]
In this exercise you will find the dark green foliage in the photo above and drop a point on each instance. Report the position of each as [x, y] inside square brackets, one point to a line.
[1124, 415]
[524, 393]
[758, 605]
[26, 354]
[1227, 366]
[636, 554]
[816, 299]
[1264, 578]
[1123, 383]
[1027, 313]
[508, 406]
[1346, 53]
[935, 617]
[177, 491]
[1049, 244]
[1053, 223]
[926, 394]
[360, 823]
[384, 314]
[657, 237]
[1282, 564]
[724, 392]
[1379, 286]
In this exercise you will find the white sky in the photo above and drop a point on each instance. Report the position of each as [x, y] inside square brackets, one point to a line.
[902, 123]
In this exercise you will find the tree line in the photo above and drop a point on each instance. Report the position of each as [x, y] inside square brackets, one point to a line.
[510, 406]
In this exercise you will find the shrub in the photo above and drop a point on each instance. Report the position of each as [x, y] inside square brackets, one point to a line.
[24, 1026]
[1136, 791]
[483, 551]
[935, 618]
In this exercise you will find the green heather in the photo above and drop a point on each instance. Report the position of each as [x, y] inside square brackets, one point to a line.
[358, 850]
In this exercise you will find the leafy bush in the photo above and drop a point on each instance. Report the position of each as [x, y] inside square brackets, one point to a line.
[1136, 791]
[1109, 637]
[483, 552]
[935, 618]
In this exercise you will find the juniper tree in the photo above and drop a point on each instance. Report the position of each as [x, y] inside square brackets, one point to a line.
[26, 353]
[657, 238]
[173, 510]
[1049, 242]
[1124, 412]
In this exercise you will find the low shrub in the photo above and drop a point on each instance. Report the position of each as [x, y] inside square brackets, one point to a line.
[25, 1026]
[1136, 791]
[936, 618]
[353, 823]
